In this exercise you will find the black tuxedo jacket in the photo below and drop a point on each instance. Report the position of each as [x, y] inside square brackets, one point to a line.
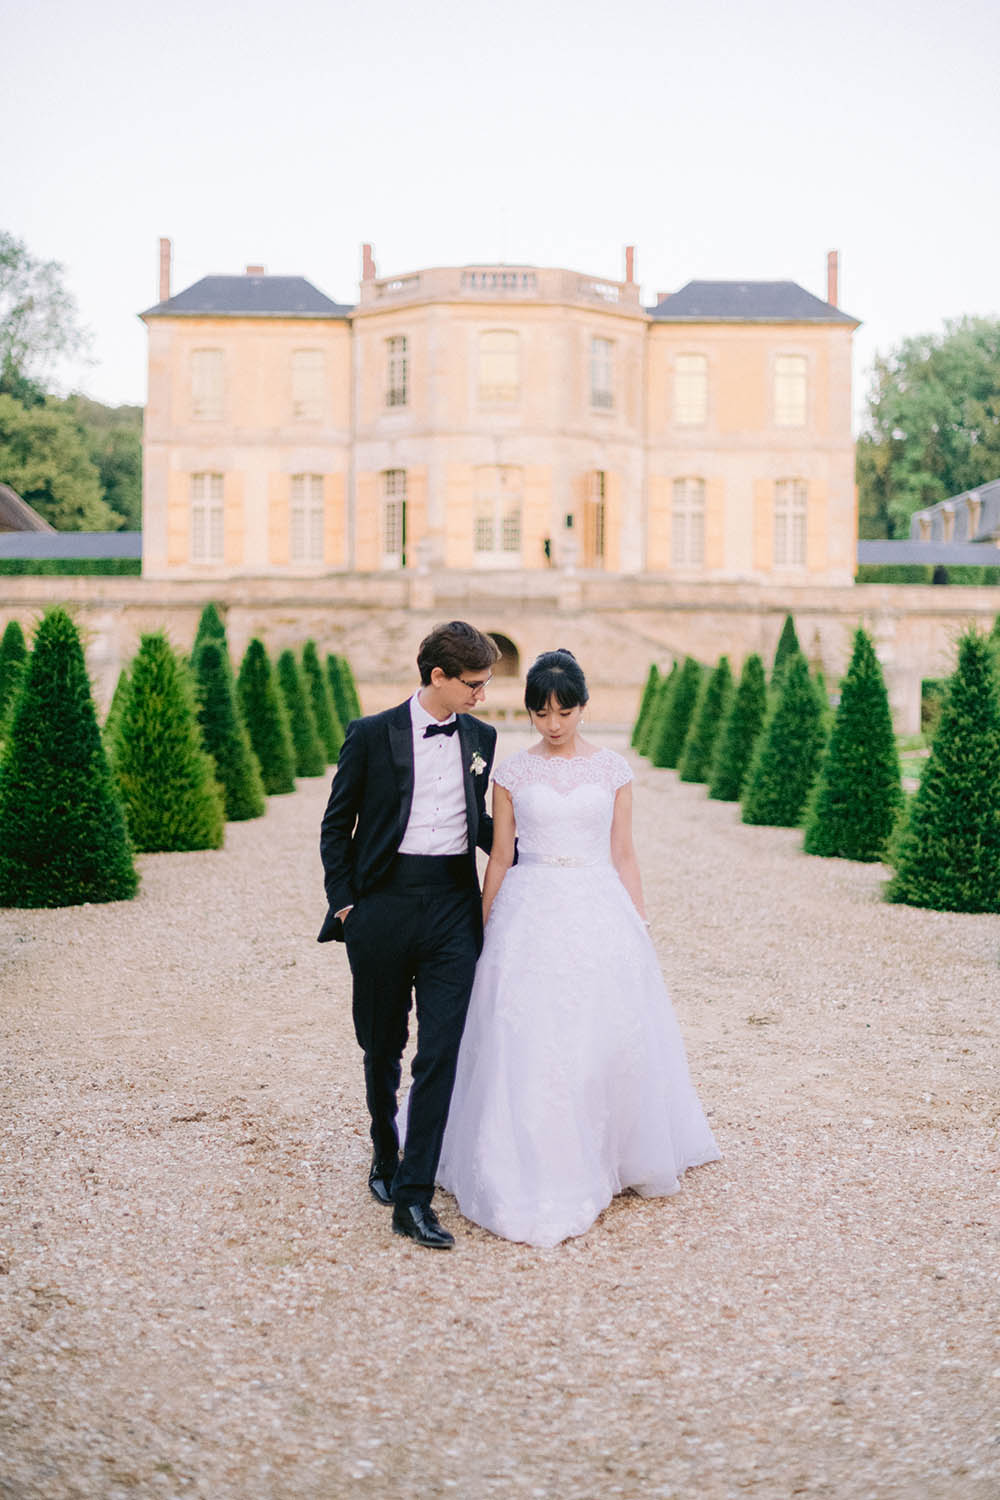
[370, 800]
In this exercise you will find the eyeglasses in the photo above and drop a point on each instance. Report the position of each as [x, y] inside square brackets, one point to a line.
[477, 687]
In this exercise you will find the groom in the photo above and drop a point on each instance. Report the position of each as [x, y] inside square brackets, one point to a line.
[399, 838]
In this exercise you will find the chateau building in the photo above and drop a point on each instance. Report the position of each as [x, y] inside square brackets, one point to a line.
[498, 417]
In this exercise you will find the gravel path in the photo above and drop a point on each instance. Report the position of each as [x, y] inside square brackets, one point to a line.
[199, 1298]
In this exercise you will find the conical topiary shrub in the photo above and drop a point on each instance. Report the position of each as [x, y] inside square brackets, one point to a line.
[645, 702]
[342, 686]
[211, 627]
[63, 838]
[657, 709]
[947, 853]
[854, 804]
[710, 710]
[224, 734]
[321, 698]
[167, 778]
[310, 757]
[351, 687]
[788, 644]
[109, 731]
[13, 658]
[667, 739]
[738, 732]
[788, 751]
[266, 719]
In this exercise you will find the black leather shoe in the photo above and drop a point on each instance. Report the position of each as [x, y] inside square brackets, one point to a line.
[418, 1221]
[380, 1180]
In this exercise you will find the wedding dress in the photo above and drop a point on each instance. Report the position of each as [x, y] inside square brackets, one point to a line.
[572, 1080]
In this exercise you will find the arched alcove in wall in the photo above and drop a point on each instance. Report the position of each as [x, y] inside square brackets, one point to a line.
[509, 664]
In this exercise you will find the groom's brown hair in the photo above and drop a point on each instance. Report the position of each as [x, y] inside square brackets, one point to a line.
[455, 648]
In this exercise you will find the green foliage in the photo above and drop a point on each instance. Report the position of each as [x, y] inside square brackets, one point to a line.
[113, 435]
[70, 567]
[657, 707]
[946, 854]
[210, 628]
[788, 750]
[788, 644]
[13, 660]
[667, 737]
[739, 732]
[224, 735]
[857, 796]
[39, 323]
[167, 778]
[43, 456]
[266, 719]
[933, 424]
[711, 708]
[321, 698]
[63, 839]
[648, 697]
[116, 708]
[343, 688]
[310, 757]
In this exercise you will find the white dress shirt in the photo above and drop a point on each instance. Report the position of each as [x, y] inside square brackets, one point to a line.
[438, 823]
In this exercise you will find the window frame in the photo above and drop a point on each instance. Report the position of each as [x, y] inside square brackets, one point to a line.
[789, 413]
[498, 516]
[307, 518]
[499, 393]
[307, 405]
[208, 395]
[392, 518]
[397, 371]
[602, 373]
[791, 521]
[207, 517]
[688, 498]
[682, 402]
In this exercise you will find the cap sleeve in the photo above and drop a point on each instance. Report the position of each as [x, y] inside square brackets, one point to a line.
[508, 773]
[619, 770]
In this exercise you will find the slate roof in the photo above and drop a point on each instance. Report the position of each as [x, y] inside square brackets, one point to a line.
[746, 302]
[962, 513]
[17, 515]
[250, 297]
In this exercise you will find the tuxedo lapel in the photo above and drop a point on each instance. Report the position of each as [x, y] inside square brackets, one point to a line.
[468, 744]
[401, 749]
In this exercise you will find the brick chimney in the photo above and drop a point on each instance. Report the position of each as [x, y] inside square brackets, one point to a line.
[256, 270]
[661, 297]
[630, 263]
[367, 263]
[166, 252]
[832, 276]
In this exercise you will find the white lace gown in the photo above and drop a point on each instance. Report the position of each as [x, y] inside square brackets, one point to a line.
[572, 1080]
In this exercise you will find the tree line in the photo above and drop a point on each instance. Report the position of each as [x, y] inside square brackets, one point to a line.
[778, 749]
[187, 745]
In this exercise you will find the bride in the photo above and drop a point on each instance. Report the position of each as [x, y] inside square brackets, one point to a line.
[572, 1081]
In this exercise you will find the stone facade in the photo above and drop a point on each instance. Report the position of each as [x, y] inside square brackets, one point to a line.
[499, 419]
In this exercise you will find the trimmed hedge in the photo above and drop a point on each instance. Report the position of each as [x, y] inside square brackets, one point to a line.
[310, 757]
[710, 710]
[210, 628]
[788, 751]
[788, 644]
[657, 708]
[13, 660]
[857, 797]
[328, 723]
[343, 688]
[263, 710]
[63, 836]
[109, 731]
[224, 734]
[946, 853]
[645, 702]
[667, 737]
[739, 732]
[167, 778]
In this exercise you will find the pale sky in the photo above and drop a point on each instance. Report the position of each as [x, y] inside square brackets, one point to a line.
[726, 141]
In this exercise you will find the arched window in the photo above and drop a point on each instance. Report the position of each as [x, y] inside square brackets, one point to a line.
[499, 368]
[687, 529]
[691, 390]
[790, 506]
[509, 664]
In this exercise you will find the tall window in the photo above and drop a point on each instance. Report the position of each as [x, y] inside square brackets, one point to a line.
[307, 384]
[687, 530]
[207, 524]
[790, 500]
[790, 389]
[396, 372]
[595, 520]
[499, 368]
[497, 526]
[602, 373]
[307, 518]
[394, 518]
[206, 385]
[691, 390]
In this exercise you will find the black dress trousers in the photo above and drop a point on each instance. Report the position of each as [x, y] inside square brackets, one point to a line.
[417, 936]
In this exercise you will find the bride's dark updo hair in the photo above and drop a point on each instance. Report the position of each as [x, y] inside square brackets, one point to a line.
[555, 674]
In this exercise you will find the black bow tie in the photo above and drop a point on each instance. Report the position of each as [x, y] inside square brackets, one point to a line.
[433, 729]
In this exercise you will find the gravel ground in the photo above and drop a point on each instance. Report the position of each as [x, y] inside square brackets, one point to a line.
[199, 1298]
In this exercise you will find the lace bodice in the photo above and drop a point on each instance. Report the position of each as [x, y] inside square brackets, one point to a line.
[564, 807]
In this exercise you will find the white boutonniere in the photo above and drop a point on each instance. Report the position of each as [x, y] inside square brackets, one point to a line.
[477, 765]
